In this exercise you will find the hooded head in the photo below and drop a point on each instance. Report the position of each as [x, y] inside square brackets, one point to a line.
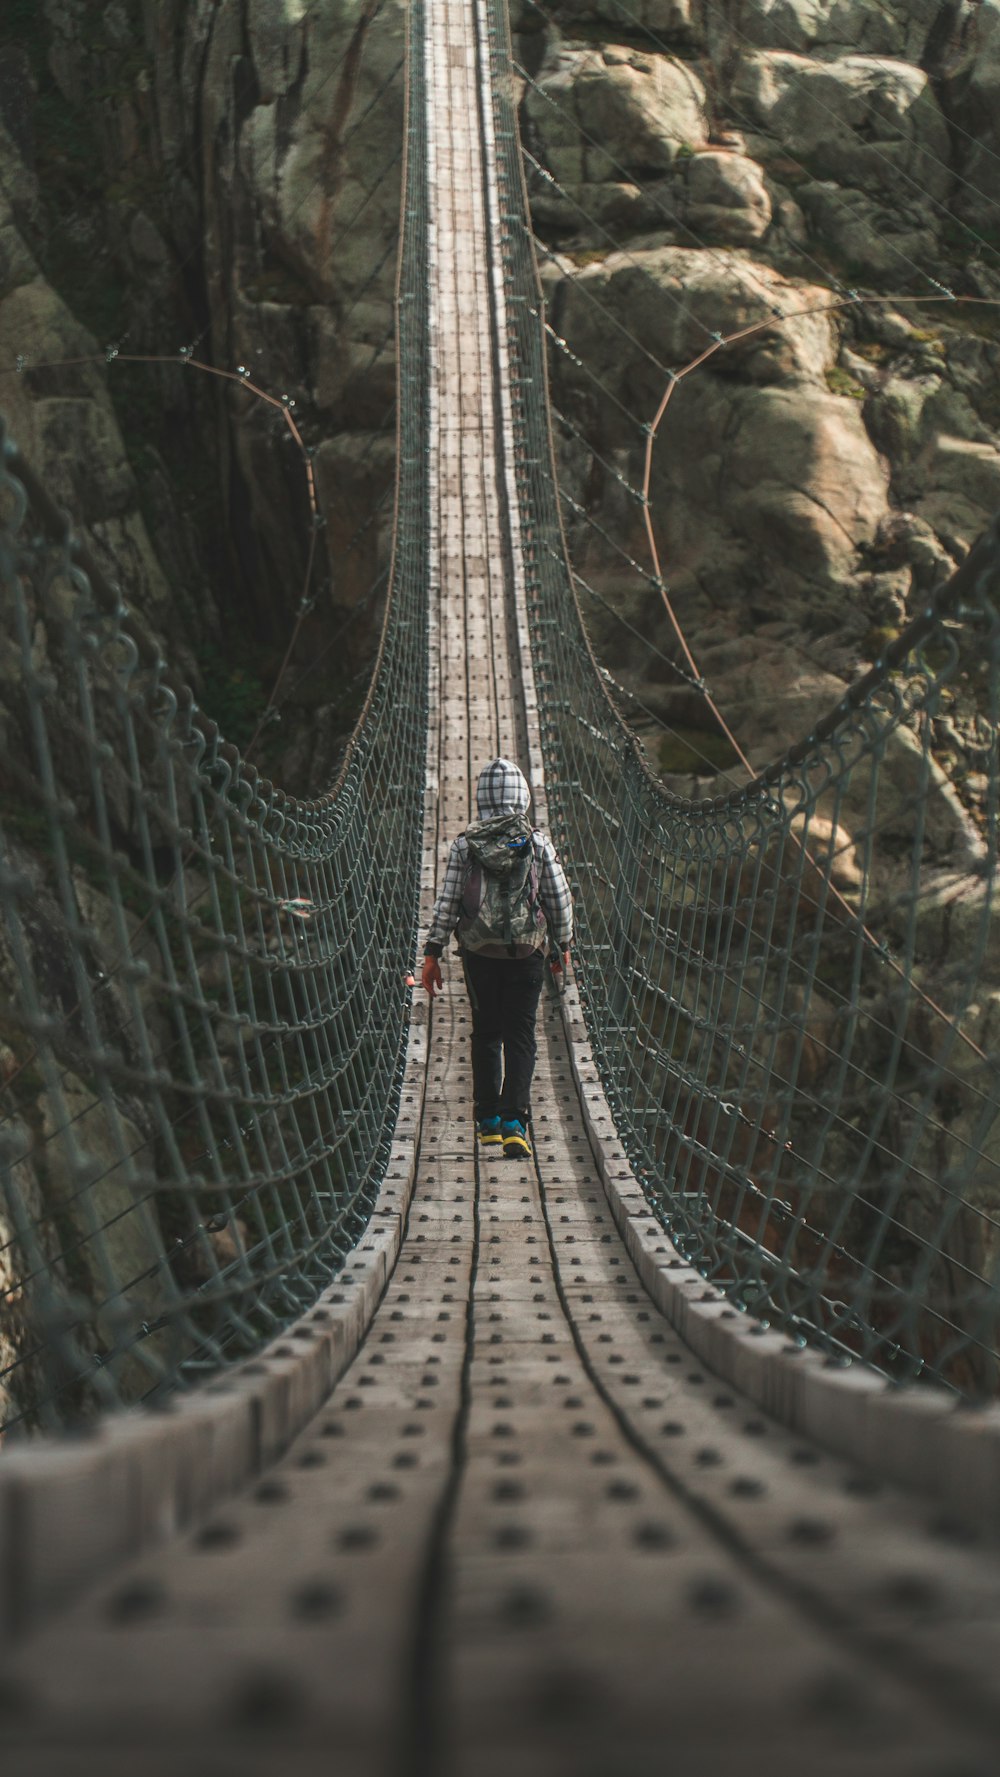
[502, 789]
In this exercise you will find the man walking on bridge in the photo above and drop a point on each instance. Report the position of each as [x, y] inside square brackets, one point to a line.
[506, 895]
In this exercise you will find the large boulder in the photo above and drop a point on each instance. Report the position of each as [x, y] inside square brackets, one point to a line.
[805, 484]
[614, 209]
[855, 119]
[890, 27]
[616, 113]
[945, 459]
[634, 317]
[765, 499]
[766, 489]
[769, 688]
[725, 198]
[868, 237]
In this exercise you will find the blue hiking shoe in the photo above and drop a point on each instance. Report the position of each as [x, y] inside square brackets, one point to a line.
[488, 1133]
[516, 1144]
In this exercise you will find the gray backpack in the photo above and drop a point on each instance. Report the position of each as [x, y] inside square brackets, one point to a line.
[501, 914]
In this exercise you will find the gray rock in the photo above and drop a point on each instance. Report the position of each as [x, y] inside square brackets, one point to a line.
[946, 462]
[775, 694]
[302, 206]
[74, 440]
[877, 27]
[636, 112]
[853, 119]
[868, 239]
[807, 486]
[630, 315]
[895, 417]
[725, 198]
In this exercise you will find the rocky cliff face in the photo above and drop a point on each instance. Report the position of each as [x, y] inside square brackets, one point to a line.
[710, 168]
[180, 173]
[704, 165]
[224, 178]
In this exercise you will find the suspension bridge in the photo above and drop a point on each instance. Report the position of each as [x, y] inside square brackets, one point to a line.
[673, 1447]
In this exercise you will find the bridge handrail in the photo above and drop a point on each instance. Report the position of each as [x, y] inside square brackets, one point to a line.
[207, 977]
[791, 987]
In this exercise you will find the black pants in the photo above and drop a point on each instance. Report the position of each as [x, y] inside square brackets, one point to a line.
[503, 994]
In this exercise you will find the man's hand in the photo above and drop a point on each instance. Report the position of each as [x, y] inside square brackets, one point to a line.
[430, 976]
[558, 964]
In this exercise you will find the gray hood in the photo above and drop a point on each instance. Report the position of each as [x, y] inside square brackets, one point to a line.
[502, 789]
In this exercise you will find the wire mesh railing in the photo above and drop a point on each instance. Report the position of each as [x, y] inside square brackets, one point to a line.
[792, 990]
[203, 979]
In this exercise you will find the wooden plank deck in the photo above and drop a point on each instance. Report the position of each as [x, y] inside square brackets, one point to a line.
[528, 1531]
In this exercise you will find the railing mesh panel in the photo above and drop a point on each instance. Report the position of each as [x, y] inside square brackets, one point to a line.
[792, 991]
[203, 979]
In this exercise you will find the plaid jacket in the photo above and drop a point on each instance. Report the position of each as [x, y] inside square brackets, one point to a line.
[502, 789]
